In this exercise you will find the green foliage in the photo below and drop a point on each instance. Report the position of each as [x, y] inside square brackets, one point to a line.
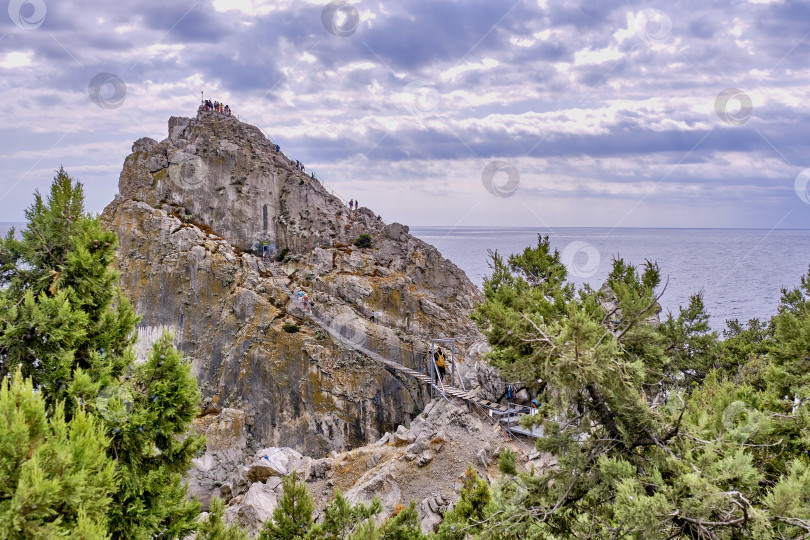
[469, 512]
[290, 328]
[65, 323]
[292, 518]
[403, 525]
[61, 312]
[658, 429]
[281, 255]
[341, 518]
[213, 528]
[55, 477]
[507, 463]
[363, 241]
[154, 448]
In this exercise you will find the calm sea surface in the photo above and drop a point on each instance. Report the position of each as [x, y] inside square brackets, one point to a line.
[740, 271]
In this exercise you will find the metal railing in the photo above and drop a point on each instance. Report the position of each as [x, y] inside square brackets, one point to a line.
[406, 355]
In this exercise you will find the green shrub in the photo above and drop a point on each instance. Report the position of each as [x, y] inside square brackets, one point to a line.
[363, 241]
[281, 255]
[290, 328]
[506, 462]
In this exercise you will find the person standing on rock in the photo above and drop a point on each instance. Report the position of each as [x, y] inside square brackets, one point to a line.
[351, 203]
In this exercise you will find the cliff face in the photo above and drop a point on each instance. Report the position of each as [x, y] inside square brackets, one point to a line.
[189, 211]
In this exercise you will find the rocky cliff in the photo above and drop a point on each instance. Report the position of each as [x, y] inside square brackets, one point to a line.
[191, 210]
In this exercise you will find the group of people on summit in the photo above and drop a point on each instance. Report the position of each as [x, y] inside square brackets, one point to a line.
[352, 205]
[218, 107]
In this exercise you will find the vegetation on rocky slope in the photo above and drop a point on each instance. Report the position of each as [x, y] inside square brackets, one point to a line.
[659, 430]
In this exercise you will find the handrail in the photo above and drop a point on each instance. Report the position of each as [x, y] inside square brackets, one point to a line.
[394, 355]
[435, 369]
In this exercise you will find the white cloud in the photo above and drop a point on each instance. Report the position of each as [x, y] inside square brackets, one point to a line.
[454, 72]
[588, 56]
[16, 59]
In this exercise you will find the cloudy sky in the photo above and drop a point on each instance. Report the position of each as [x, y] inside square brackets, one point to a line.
[436, 112]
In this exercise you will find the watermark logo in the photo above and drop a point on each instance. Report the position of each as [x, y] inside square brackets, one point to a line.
[802, 186]
[741, 421]
[27, 14]
[581, 259]
[350, 327]
[187, 171]
[654, 26]
[108, 91]
[114, 404]
[505, 189]
[733, 106]
[421, 98]
[340, 18]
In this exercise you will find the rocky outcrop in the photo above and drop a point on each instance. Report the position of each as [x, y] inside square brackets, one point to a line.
[227, 313]
[189, 212]
[424, 462]
[225, 176]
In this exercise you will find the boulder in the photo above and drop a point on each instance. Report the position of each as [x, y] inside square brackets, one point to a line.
[254, 509]
[226, 442]
[380, 482]
[277, 462]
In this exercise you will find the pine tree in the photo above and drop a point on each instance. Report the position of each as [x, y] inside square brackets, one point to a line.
[213, 528]
[292, 518]
[341, 518]
[61, 311]
[55, 477]
[153, 448]
[658, 430]
[469, 512]
[66, 324]
[403, 525]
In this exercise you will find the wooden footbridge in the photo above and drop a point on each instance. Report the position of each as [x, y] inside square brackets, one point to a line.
[406, 359]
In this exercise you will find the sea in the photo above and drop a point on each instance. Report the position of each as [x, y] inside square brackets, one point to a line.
[740, 272]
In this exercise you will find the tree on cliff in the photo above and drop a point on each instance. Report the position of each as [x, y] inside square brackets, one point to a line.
[65, 323]
[657, 429]
[341, 518]
[213, 528]
[292, 518]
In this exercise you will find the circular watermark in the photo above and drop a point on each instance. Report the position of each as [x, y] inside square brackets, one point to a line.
[187, 171]
[506, 189]
[733, 106]
[581, 259]
[340, 18]
[654, 26]
[802, 186]
[108, 91]
[421, 98]
[27, 14]
[114, 403]
[350, 328]
[741, 421]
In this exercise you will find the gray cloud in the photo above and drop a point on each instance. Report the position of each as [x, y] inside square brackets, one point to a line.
[572, 92]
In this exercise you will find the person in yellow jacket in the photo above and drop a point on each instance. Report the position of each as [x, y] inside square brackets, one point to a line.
[440, 363]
